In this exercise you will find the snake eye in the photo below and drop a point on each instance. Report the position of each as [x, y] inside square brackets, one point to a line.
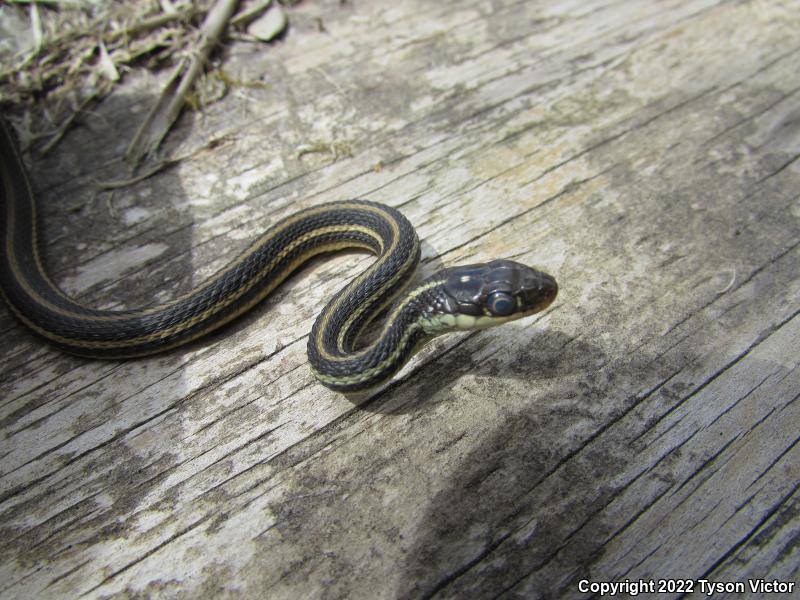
[501, 304]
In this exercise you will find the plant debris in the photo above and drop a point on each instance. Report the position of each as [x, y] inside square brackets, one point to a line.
[170, 103]
[84, 47]
[59, 57]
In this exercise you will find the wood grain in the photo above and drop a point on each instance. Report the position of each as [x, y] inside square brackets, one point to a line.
[645, 427]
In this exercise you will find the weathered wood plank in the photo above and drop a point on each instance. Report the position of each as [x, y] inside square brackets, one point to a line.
[645, 427]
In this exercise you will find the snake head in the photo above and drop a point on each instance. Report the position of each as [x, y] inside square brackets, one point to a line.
[487, 294]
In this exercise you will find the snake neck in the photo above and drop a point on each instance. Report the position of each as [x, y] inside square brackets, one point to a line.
[340, 362]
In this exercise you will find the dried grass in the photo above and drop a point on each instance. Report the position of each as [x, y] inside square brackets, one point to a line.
[81, 50]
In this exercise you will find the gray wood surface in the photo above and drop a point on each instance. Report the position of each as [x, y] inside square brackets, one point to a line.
[645, 427]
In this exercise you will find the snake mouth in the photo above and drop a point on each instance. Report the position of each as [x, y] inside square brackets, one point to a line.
[548, 290]
[538, 291]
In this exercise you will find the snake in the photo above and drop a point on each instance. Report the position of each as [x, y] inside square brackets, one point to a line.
[466, 297]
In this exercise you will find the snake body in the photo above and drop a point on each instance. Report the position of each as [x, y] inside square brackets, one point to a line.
[466, 297]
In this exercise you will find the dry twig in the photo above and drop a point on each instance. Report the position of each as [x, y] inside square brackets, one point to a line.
[171, 101]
